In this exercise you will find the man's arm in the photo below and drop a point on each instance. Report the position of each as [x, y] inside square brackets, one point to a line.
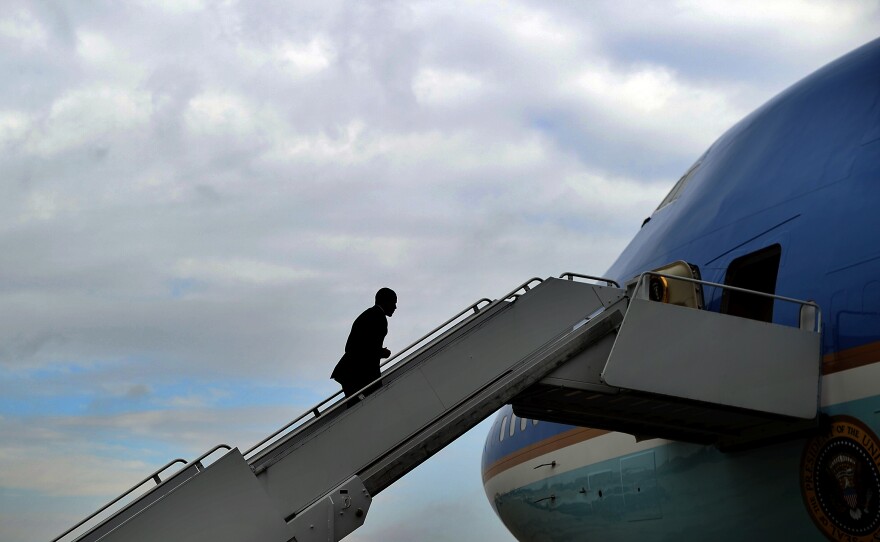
[379, 325]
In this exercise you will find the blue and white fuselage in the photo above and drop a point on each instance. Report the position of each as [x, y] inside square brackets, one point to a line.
[800, 175]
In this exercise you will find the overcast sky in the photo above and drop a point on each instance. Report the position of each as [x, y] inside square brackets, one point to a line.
[197, 197]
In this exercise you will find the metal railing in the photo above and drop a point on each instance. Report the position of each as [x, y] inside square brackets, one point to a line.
[572, 276]
[475, 308]
[154, 477]
[198, 461]
[809, 310]
[315, 410]
[472, 307]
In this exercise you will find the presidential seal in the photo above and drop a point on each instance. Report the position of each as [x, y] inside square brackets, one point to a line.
[840, 481]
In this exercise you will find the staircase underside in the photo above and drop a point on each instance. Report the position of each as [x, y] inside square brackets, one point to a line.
[656, 416]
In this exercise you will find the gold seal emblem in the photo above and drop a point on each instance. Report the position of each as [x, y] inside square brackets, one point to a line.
[840, 481]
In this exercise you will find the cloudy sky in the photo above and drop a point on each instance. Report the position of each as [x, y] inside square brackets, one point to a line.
[197, 197]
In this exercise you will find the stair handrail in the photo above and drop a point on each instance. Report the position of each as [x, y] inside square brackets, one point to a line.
[198, 461]
[315, 410]
[571, 276]
[154, 477]
[524, 286]
[475, 306]
[512, 294]
[818, 311]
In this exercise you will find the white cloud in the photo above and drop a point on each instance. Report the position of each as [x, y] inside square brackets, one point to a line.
[218, 115]
[307, 58]
[805, 15]
[349, 145]
[88, 115]
[606, 196]
[213, 112]
[13, 126]
[94, 47]
[175, 7]
[654, 101]
[463, 150]
[537, 28]
[24, 29]
[433, 150]
[45, 205]
[296, 59]
[443, 87]
[103, 60]
[646, 91]
[237, 270]
[792, 31]
[389, 251]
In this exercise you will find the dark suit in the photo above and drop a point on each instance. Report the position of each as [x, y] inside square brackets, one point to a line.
[363, 351]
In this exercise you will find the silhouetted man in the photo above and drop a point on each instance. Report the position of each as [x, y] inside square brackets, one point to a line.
[364, 349]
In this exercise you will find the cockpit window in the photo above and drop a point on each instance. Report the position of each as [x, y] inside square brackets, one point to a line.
[681, 184]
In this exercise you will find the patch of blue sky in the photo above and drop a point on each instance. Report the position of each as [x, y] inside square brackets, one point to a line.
[547, 124]
[70, 405]
[595, 145]
[678, 54]
[151, 451]
[103, 388]
[41, 392]
[180, 287]
[61, 369]
[228, 394]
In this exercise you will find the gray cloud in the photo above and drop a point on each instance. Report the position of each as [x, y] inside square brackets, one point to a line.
[198, 197]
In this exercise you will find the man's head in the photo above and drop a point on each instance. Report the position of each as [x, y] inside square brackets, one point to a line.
[387, 299]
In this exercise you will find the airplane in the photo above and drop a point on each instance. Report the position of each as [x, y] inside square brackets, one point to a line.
[786, 202]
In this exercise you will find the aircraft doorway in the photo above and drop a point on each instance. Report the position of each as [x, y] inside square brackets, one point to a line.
[756, 271]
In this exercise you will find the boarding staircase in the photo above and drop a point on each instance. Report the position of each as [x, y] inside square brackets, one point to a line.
[677, 371]
[558, 349]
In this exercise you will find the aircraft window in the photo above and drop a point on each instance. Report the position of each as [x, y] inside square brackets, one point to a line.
[523, 423]
[512, 424]
[680, 185]
[534, 422]
[503, 428]
[756, 271]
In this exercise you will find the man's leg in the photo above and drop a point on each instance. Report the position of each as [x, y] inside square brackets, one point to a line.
[352, 386]
[349, 387]
[372, 388]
